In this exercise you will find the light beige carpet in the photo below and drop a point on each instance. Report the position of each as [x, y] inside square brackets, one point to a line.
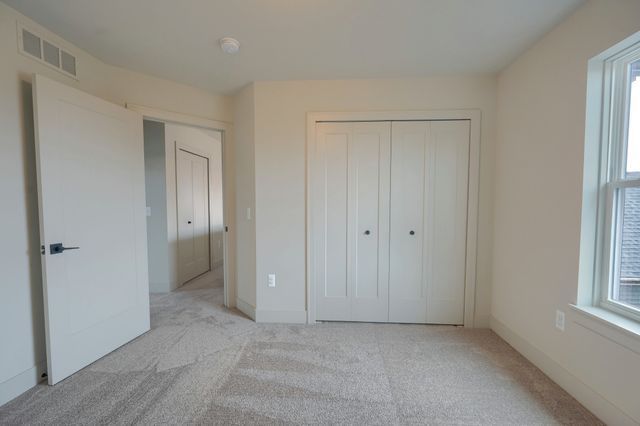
[203, 364]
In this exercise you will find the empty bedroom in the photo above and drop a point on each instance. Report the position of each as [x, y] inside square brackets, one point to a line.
[320, 212]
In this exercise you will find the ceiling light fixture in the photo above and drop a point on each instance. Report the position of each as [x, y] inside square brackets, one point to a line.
[229, 45]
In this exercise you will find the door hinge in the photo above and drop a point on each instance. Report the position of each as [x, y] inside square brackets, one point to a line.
[42, 251]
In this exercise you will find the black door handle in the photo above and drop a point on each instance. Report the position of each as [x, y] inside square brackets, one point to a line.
[58, 248]
[411, 233]
[367, 232]
[189, 221]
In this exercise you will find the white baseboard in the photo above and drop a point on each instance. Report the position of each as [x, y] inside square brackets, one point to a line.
[287, 317]
[587, 396]
[246, 308]
[17, 385]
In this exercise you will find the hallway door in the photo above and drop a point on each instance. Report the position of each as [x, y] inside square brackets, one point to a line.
[192, 178]
[92, 225]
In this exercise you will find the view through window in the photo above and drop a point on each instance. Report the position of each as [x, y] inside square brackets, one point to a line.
[626, 284]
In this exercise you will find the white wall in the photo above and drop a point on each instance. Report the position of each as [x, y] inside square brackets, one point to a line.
[244, 126]
[538, 175]
[22, 357]
[155, 176]
[280, 139]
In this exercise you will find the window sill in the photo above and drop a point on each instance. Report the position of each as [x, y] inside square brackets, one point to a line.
[612, 326]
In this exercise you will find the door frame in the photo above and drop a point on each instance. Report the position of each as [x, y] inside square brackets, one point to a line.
[474, 117]
[226, 130]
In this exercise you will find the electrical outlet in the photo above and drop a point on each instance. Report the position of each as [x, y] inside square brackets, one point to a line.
[560, 320]
[272, 280]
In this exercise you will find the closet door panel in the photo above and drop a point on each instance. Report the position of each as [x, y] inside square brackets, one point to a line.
[351, 221]
[369, 227]
[448, 226]
[430, 163]
[407, 285]
[331, 201]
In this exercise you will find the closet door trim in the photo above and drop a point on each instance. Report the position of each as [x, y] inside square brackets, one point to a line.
[473, 115]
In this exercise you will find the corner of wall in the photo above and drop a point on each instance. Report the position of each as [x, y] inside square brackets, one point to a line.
[587, 396]
[244, 133]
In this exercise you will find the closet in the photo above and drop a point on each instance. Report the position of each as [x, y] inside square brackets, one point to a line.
[389, 220]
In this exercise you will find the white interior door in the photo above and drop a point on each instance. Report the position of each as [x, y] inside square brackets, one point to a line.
[91, 196]
[351, 186]
[192, 173]
[429, 188]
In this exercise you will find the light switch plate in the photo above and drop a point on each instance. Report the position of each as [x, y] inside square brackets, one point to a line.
[272, 280]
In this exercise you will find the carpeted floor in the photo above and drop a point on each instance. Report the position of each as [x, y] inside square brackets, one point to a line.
[204, 364]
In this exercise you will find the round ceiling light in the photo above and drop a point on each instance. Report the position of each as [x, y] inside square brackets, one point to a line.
[229, 45]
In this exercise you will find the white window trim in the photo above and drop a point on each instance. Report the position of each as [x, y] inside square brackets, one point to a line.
[606, 114]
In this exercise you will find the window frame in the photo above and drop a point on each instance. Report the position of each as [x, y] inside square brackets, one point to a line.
[613, 162]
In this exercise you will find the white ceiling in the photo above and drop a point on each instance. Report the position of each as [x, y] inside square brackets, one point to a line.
[300, 39]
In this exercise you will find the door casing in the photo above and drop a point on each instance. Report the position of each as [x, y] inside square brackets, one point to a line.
[226, 130]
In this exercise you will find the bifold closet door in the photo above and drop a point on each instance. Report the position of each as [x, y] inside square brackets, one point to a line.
[429, 182]
[351, 221]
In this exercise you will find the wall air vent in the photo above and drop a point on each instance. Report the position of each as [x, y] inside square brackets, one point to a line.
[46, 52]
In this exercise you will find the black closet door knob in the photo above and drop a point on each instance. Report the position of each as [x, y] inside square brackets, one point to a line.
[189, 221]
[411, 233]
[367, 232]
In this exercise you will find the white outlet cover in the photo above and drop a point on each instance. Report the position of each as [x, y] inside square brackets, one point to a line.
[560, 320]
[272, 280]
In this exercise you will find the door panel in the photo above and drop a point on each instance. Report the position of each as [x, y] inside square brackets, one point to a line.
[91, 195]
[448, 198]
[332, 190]
[429, 197]
[351, 183]
[369, 232]
[407, 283]
[193, 214]
[336, 149]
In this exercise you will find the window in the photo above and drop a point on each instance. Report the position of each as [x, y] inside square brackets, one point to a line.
[619, 284]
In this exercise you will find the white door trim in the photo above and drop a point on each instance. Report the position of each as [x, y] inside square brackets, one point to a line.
[226, 129]
[474, 116]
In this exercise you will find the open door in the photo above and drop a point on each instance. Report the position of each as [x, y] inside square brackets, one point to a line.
[90, 165]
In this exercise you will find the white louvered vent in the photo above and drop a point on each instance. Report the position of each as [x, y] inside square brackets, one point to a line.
[46, 52]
